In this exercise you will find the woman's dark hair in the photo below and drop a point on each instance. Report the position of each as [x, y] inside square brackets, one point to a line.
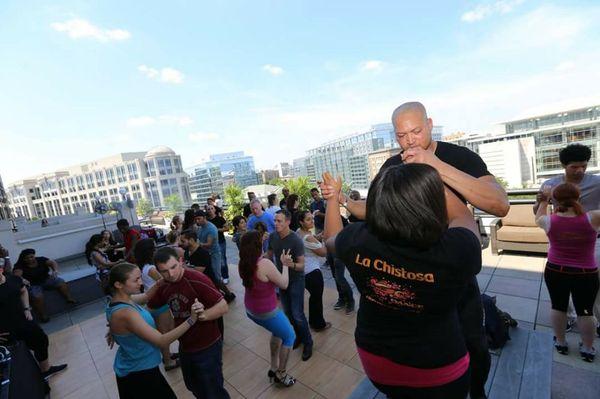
[23, 254]
[172, 236]
[260, 227]
[190, 235]
[574, 153]
[119, 273]
[302, 215]
[271, 198]
[90, 247]
[188, 219]
[111, 239]
[236, 221]
[250, 253]
[566, 196]
[407, 202]
[291, 202]
[144, 252]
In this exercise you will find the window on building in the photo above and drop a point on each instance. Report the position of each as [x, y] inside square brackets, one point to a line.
[165, 167]
[177, 163]
[110, 176]
[89, 180]
[132, 169]
[100, 178]
[150, 168]
[121, 176]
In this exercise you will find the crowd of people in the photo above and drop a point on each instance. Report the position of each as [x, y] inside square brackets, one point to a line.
[412, 249]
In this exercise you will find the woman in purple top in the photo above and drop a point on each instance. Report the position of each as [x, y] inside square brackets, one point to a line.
[260, 277]
[571, 269]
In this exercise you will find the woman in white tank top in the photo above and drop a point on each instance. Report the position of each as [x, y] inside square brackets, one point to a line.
[314, 256]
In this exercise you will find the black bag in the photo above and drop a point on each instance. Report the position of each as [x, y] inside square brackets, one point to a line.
[497, 323]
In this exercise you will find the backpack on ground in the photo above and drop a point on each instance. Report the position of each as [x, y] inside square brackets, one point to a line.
[497, 323]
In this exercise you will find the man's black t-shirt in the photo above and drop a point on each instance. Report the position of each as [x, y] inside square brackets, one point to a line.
[36, 275]
[459, 157]
[219, 222]
[200, 257]
[408, 303]
[11, 307]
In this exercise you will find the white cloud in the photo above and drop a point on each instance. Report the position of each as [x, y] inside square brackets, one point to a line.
[273, 69]
[486, 10]
[78, 28]
[200, 137]
[372, 65]
[169, 120]
[565, 66]
[165, 75]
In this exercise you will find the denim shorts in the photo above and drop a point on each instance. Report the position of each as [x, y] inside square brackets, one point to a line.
[51, 283]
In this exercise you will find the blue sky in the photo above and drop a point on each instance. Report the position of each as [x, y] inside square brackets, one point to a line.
[82, 80]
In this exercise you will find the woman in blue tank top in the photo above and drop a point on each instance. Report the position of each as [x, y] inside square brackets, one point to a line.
[133, 329]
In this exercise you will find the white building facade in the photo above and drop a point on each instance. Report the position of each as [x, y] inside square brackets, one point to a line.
[152, 175]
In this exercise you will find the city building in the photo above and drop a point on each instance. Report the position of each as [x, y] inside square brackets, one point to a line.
[152, 175]
[377, 158]
[234, 166]
[4, 207]
[204, 181]
[347, 156]
[437, 132]
[304, 167]
[265, 176]
[284, 169]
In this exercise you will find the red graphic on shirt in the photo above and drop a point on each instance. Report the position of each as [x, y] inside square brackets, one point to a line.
[392, 295]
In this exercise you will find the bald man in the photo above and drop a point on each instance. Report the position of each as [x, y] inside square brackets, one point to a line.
[465, 173]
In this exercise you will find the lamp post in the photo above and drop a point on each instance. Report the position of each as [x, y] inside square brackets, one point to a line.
[100, 208]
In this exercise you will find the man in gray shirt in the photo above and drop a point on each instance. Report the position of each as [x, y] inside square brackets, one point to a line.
[574, 159]
[285, 241]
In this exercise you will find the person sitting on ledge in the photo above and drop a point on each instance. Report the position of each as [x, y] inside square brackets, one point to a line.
[411, 261]
[40, 273]
[16, 322]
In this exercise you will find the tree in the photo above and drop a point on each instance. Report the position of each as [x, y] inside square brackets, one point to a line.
[174, 205]
[234, 199]
[502, 182]
[143, 208]
[301, 187]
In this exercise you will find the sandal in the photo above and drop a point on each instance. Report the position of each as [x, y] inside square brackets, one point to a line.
[284, 379]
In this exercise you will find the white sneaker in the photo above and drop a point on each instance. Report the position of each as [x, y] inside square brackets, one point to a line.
[225, 281]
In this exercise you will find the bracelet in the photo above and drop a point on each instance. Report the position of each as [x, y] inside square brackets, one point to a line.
[190, 321]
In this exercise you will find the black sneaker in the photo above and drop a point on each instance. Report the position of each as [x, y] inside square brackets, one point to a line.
[53, 370]
[562, 349]
[307, 352]
[229, 297]
[587, 356]
[350, 307]
[339, 304]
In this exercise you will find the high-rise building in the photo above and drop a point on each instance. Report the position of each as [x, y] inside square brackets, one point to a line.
[204, 181]
[437, 133]
[304, 167]
[152, 175]
[284, 169]
[4, 207]
[236, 166]
[267, 175]
[347, 156]
[377, 158]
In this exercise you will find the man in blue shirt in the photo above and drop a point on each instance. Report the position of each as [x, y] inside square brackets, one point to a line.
[208, 237]
[259, 215]
[317, 208]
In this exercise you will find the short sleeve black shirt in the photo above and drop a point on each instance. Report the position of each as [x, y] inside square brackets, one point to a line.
[408, 304]
[219, 222]
[36, 275]
[200, 257]
[290, 242]
[11, 308]
[459, 157]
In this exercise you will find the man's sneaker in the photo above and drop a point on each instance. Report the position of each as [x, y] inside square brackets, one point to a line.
[229, 297]
[350, 307]
[562, 349]
[570, 325]
[325, 327]
[307, 352]
[53, 370]
[587, 355]
[225, 281]
[339, 304]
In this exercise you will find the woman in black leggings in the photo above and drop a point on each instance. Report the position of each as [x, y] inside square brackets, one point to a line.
[16, 322]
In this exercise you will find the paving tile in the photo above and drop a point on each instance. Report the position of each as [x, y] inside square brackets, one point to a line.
[569, 383]
[87, 311]
[519, 308]
[514, 286]
[483, 280]
[252, 380]
[68, 341]
[57, 323]
[296, 391]
[237, 358]
[573, 359]
[543, 314]
[94, 389]
[79, 373]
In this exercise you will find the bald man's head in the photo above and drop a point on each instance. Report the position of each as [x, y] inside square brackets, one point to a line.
[412, 126]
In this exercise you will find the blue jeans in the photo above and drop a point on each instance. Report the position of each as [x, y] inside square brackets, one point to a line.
[292, 301]
[343, 288]
[224, 268]
[215, 263]
[203, 372]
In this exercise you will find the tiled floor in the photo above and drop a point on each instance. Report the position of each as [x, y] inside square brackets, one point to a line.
[334, 370]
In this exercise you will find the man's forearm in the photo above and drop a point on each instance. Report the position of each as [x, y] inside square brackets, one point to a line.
[218, 310]
[484, 194]
[357, 208]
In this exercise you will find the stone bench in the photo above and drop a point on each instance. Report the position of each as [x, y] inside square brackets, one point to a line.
[521, 370]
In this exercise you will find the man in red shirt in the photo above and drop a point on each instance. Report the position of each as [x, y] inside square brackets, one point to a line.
[201, 347]
[130, 237]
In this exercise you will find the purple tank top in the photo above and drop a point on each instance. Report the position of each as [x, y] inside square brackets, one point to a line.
[261, 298]
[572, 241]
